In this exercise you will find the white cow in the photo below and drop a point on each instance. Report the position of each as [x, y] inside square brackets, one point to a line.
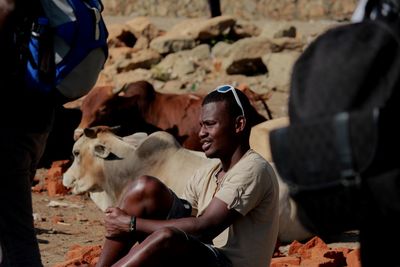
[259, 136]
[104, 163]
[290, 227]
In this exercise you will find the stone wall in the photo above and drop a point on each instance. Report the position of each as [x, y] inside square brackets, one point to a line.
[245, 9]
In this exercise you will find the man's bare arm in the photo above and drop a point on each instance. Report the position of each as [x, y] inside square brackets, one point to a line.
[210, 224]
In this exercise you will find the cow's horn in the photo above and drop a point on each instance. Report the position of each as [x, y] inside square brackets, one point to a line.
[115, 129]
[90, 132]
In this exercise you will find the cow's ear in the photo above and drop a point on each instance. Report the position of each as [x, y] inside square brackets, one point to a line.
[101, 151]
[135, 139]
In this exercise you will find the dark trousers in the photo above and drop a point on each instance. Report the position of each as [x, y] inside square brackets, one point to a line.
[380, 228]
[215, 8]
[20, 153]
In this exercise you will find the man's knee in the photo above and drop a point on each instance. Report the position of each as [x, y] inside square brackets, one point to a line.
[152, 186]
[144, 186]
[168, 236]
[161, 248]
[146, 195]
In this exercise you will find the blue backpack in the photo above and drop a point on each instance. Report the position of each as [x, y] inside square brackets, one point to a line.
[66, 48]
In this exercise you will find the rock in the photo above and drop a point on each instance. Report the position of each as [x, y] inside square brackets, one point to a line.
[54, 178]
[81, 256]
[172, 43]
[143, 59]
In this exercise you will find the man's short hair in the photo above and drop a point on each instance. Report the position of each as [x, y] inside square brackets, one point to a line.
[229, 98]
[232, 105]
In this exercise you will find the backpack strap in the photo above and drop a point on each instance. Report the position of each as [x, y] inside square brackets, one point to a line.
[341, 122]
[31, 24]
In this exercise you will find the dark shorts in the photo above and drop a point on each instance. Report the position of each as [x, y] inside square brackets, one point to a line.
[181, 208]
[220, 258]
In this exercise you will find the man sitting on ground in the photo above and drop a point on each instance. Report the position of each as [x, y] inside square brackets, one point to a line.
[234, 202]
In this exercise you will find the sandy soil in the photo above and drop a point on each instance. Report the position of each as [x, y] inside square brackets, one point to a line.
[59, 228]
[64, 221]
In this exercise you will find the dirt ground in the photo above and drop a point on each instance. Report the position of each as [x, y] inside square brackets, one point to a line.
[64, 221]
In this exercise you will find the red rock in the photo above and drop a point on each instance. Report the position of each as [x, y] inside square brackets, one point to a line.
[353, 258]
[285, 261]
[315, 242]
[54, 178]
[316, 253]
[294, 247]
[73, 252]
[63, 164]
[81, 256]
[91, 256]
[313, 248]
[319, 262]
[55, 187]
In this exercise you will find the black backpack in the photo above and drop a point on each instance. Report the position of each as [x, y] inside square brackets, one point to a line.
[338, 155]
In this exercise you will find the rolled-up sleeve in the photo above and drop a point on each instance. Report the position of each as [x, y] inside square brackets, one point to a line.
[241, 192]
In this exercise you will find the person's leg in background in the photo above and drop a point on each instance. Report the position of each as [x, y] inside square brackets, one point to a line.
[379, 231]
[25, 119]
[20, 154]
[215, 8]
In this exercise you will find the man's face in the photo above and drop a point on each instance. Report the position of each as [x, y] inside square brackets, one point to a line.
[217, 132]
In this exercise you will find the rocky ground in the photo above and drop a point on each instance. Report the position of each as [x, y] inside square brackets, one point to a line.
[249, 9]
[69, 228]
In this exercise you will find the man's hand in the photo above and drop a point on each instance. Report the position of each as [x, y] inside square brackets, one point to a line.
[116, 222]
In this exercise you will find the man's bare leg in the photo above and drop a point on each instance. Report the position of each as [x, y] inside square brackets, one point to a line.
[146, 197]
[168, 247]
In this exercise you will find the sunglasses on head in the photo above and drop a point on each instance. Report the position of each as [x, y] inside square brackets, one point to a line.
[226, 88]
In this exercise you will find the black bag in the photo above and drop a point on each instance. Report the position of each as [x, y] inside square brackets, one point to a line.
[342, 135]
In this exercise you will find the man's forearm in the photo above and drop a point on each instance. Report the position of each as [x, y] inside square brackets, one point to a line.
[211, 223]
[190, 225]
[118, 223]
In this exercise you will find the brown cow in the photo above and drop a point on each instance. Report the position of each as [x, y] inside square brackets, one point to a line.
[139, 108]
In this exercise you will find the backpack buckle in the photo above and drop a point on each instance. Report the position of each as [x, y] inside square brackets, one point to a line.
[97, 19]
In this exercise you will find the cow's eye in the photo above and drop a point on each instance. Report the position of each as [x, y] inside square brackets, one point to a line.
[75, 153]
